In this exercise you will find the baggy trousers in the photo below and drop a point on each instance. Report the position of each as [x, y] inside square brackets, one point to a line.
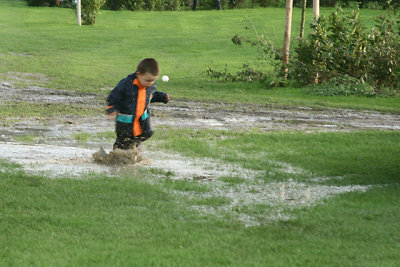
[125, 138]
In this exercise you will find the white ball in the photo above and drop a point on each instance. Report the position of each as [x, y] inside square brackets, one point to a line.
[165, 78]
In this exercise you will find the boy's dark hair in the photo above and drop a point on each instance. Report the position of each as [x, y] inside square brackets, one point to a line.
[148, 65]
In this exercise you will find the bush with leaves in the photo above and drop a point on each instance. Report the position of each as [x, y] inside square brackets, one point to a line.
[41, 2]
[271, 3]
[313, 55]
[247, 74]
[339, 53]
[151, 5]
[342, 85]
[90, 9]
[374, 4]
[384, 53]
[117, 4]
[340, 46]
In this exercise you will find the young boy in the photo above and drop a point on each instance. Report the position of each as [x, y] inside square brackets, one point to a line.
[129, 103]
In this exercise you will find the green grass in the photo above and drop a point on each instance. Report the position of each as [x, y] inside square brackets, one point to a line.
[185, 185]
[92, 58]
[81, 136]
[368, 157]
[232, 180]
[84, 136]
[126, 221]
[29, 109]
[25, 139]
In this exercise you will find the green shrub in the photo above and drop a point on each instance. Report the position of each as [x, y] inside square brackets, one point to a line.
[159, 5]
[384, 53]
[313, 55]
[41, 2]
[246, 74]
[117, 4]
[342, 85]
[90, 9]
[339, 54]
[340, 46]
[373, 5]
[162, 5]
[271, 3]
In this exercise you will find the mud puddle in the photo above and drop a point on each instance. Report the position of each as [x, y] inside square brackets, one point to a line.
[52, 160]
[59, 161]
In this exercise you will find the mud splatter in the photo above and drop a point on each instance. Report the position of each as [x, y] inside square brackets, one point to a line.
[117, 156]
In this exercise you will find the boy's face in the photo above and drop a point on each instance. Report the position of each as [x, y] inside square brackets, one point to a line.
[146, 79]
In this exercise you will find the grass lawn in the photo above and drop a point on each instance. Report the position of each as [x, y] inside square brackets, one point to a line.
[127, 221]
[369, 157]
[94, 58]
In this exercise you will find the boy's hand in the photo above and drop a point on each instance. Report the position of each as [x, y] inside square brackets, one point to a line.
[168, 98]
[112, 116]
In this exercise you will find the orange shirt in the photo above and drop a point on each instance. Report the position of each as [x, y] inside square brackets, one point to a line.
[140, 106]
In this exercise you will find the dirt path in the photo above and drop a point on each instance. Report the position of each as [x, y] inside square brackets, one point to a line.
[218, 115]
[230, 117]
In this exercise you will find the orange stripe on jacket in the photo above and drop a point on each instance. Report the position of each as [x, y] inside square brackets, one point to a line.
[140, 105]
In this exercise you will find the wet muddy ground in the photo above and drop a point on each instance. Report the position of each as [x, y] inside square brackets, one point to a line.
[55, 153]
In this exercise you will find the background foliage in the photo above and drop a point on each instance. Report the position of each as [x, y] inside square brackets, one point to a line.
[340, 46]
[339, 53]
[90, 9]
[161, 5]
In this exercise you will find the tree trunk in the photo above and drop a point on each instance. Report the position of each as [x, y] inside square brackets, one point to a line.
[316, 16]
[286, 37]
[194, 5]
[78, 12]
[303, 18]
[316, 8]
[218, 4]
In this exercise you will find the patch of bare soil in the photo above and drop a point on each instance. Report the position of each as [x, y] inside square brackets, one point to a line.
[213, 115]
[230, 117]
[10, 91]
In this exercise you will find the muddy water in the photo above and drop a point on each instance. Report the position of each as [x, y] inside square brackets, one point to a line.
[279, 200]
[51, 160]
[57, 160]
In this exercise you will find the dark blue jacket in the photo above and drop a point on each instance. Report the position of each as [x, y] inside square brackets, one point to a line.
[123, 97]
